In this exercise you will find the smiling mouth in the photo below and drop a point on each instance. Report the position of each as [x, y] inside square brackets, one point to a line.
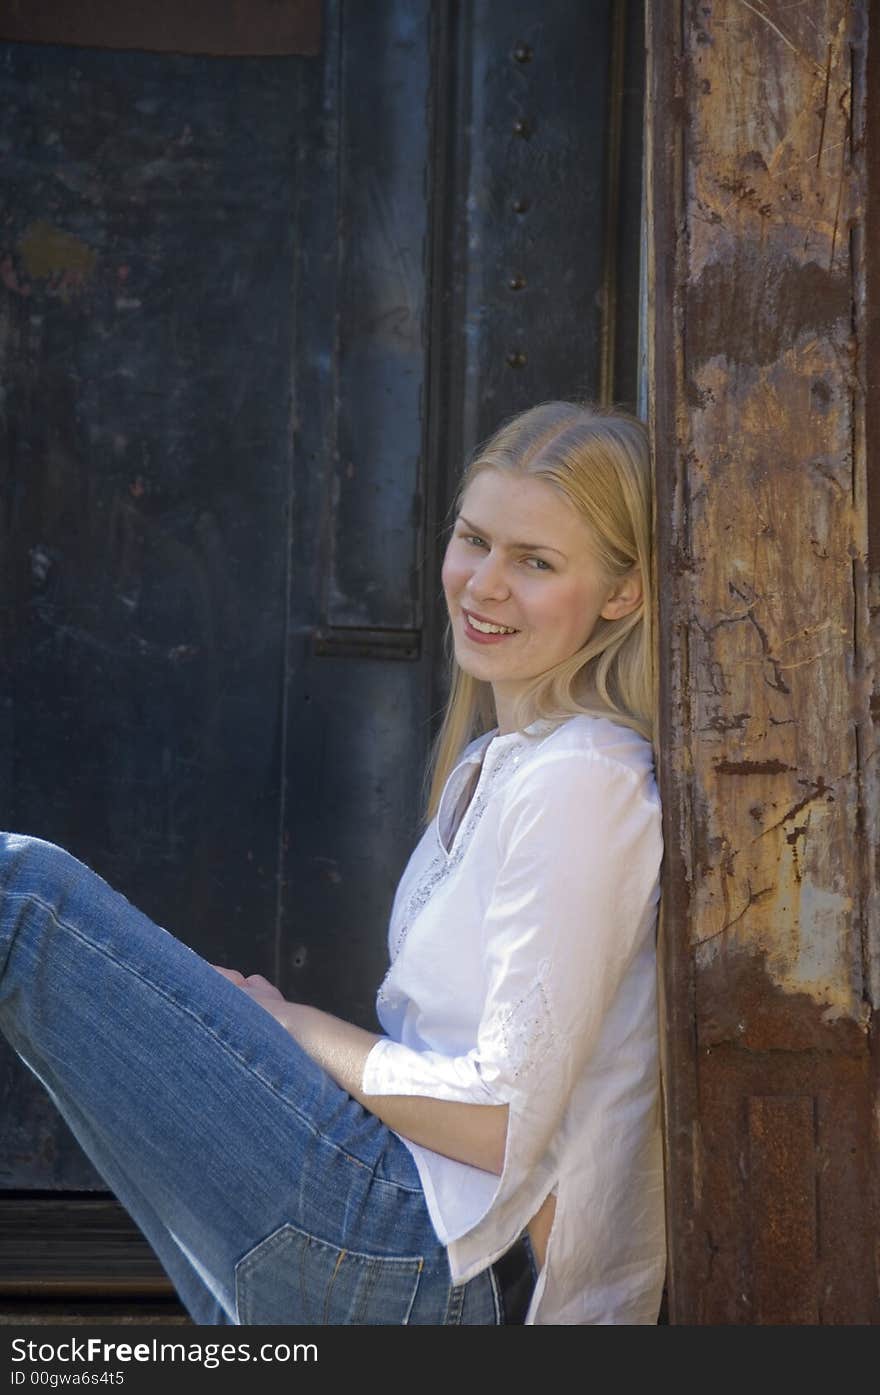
[484, 627]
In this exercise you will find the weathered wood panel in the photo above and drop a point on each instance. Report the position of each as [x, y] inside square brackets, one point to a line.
[241, 27]
[54, 1245]
[757, 160]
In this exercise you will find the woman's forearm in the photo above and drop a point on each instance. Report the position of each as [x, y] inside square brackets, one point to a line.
[471, 1133]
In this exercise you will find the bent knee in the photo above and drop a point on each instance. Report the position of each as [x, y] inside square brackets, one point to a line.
[32, 864]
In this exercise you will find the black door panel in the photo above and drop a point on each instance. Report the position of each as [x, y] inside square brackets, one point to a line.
[253, 313]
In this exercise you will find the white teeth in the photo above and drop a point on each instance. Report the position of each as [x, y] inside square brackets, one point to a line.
[488, 629]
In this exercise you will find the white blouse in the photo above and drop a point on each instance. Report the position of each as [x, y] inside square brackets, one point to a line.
[523, 972]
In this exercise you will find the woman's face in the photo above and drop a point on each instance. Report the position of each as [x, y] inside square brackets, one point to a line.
[522, 584]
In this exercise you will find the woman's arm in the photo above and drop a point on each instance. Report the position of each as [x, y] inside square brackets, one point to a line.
[571, 911]
[470, 1133]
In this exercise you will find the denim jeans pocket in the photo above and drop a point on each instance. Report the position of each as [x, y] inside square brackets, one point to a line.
[293, 1277]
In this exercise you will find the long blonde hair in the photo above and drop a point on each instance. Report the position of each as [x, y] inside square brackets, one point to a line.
[598, 458]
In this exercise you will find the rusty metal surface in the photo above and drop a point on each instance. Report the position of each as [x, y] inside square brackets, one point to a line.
[770, 936]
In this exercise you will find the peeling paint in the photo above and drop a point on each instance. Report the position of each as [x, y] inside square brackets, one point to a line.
[758, 307]
[751, 767]
[824, 918]
[52, 255]
[743, 1001]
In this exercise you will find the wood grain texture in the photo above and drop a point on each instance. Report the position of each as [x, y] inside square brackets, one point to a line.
[757, 174]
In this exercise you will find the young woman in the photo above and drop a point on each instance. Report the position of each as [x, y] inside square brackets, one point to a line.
[495, 1155]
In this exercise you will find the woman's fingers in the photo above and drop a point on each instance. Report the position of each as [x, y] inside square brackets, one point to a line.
[255, 984]
[264, 987]
[232, 974]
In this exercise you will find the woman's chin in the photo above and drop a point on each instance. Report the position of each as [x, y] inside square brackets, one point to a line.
[471, 664]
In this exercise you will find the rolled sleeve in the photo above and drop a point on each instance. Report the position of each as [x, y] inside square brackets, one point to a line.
[394, 1069]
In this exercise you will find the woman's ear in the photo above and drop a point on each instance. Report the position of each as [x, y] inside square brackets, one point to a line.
[626, 596]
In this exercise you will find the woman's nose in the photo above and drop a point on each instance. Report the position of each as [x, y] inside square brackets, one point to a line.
[488, 579]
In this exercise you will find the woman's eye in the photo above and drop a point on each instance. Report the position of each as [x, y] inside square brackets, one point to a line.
[473, 539]
[539, 564]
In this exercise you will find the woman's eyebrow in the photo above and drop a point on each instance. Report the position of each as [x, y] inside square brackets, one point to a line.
[517, 546]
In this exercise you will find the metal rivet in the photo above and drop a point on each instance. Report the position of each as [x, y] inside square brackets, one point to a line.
[516, 358]
[521, 127]
[523, 54]
[516, 283]
[521, 205]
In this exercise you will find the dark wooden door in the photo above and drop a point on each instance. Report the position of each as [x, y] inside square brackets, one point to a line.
[253, 312]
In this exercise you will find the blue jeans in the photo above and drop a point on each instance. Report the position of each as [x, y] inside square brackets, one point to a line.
[268, 1194]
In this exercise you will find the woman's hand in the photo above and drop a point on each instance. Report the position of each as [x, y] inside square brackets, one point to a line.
[260, 989]
[472, 1133]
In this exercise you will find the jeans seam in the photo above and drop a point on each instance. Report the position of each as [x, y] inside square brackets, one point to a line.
[412, 1301]
[33, 898]
[454, 1306]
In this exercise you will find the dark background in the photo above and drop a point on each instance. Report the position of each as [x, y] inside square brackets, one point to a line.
[253, 314]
